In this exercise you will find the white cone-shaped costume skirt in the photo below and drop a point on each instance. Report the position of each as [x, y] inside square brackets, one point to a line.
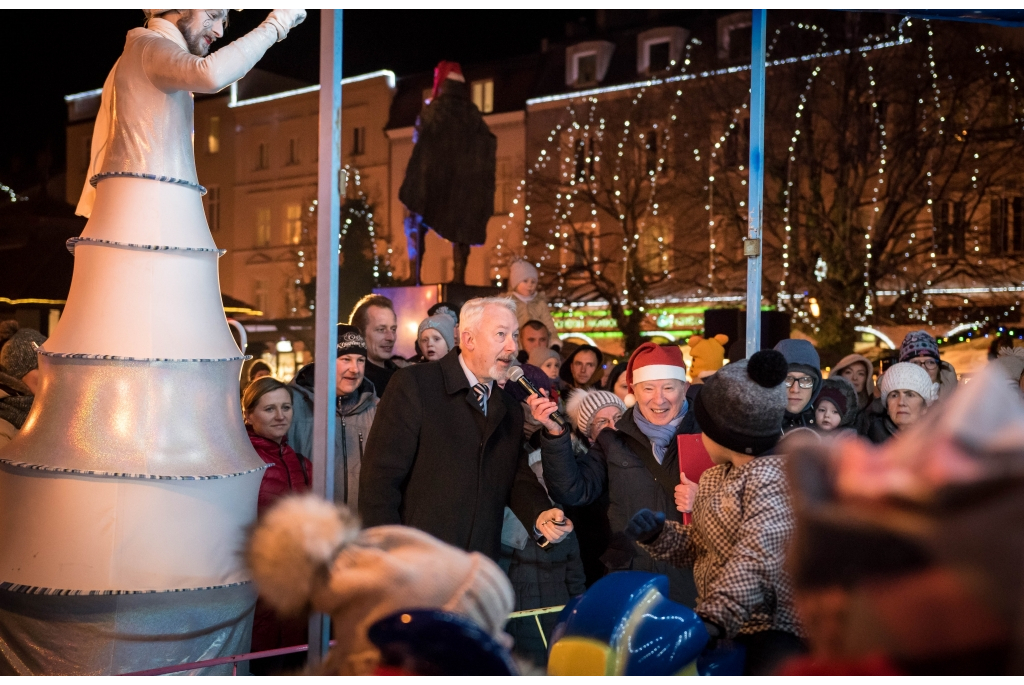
[125, 498]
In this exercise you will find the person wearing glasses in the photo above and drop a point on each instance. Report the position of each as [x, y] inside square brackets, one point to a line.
[802, 383]
[921, 349]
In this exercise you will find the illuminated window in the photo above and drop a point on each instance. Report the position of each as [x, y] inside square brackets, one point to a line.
[483, 95]
[213, 136]
[262, 227]
[262, 157]
[260, 295]
[293, 223]
[212, 206]
[359, 140]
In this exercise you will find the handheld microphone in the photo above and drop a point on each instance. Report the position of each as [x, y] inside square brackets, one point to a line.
[516, 375]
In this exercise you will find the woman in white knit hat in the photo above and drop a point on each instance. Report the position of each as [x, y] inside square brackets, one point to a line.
[531, 302]
[907, 392]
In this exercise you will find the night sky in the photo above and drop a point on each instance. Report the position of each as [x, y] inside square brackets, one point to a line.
[55, 53]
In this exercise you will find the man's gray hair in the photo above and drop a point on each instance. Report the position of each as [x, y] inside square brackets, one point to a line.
[473, 311]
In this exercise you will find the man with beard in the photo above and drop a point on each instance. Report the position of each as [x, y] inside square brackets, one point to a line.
[147, 98]
[444, 453]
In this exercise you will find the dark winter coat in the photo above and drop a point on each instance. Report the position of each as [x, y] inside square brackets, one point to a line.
[541, 578]
[621, 463]
[289, 472]
[354, 415]
[450, 177]
[433, 461]
[881, 429]
[804, 419]
[380, 376]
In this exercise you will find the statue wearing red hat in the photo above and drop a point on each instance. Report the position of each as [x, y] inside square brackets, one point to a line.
[449, 182]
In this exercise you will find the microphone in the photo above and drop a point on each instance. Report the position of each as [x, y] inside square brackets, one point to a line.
[516, 375]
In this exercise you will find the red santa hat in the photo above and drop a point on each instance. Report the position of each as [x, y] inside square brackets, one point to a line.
[446, 70]
[652, 362]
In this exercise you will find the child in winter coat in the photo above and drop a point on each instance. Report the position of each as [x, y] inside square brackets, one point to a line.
[742, 515]
[531, 303]
[835, 407]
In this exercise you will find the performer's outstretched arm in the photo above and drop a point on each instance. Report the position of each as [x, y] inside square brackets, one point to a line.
[170, 68]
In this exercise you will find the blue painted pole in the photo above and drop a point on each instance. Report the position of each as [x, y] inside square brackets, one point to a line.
[752, 243]
[327, 241]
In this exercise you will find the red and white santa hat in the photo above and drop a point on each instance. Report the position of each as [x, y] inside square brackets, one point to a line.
[445, 70]
[653, 362]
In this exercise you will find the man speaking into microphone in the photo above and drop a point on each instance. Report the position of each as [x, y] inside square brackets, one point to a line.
[444, 453]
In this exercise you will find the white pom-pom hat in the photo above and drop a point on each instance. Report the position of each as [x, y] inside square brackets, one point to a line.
[653, 362]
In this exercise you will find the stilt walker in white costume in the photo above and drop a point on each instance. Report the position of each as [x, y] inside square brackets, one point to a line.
[125, 497]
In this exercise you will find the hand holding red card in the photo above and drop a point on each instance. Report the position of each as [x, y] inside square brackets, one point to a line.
[694, 460]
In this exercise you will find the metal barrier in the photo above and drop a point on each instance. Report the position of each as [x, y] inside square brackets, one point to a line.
[252, 656]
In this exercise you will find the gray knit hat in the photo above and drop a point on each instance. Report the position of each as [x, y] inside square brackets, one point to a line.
[18, 355]
[583, 404]
[442, 323]
[741, 406]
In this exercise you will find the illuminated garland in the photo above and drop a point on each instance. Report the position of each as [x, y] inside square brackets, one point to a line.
[357, 207]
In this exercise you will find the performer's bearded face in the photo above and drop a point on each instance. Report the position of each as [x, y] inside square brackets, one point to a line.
[201, 28]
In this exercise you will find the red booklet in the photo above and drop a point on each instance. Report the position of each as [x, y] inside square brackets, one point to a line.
[693, 460]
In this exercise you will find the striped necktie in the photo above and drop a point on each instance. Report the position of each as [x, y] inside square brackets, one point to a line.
[480, 392]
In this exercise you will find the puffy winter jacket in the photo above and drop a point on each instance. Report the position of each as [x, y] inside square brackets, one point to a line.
[289, 472]
[354, 415]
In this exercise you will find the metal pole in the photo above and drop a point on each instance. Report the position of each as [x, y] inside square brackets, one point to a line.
[327, 230]
[752, 243]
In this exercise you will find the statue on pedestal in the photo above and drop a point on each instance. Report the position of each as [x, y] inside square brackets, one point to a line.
[449, 182]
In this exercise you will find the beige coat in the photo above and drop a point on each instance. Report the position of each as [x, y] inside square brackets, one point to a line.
[536, 309]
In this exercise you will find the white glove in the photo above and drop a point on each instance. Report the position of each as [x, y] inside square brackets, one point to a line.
[285, 20]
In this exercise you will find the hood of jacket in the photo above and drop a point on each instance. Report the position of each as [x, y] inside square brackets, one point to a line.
[869, 385]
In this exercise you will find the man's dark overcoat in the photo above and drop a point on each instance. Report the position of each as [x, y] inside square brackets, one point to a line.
[434, 462]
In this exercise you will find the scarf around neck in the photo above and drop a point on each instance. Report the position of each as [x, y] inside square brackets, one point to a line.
[660, 436]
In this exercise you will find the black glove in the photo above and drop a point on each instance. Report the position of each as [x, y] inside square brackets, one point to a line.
[646, 526]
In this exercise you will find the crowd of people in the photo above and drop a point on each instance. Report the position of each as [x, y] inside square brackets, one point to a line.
[444, 443]
[649, 464]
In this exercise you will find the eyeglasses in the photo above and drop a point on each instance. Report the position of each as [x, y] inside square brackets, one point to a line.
[929, 364]
[805, 382]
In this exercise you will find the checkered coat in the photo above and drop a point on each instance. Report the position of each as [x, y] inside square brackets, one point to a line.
[742, 523]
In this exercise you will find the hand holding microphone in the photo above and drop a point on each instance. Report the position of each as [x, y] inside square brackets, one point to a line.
[544, 410]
